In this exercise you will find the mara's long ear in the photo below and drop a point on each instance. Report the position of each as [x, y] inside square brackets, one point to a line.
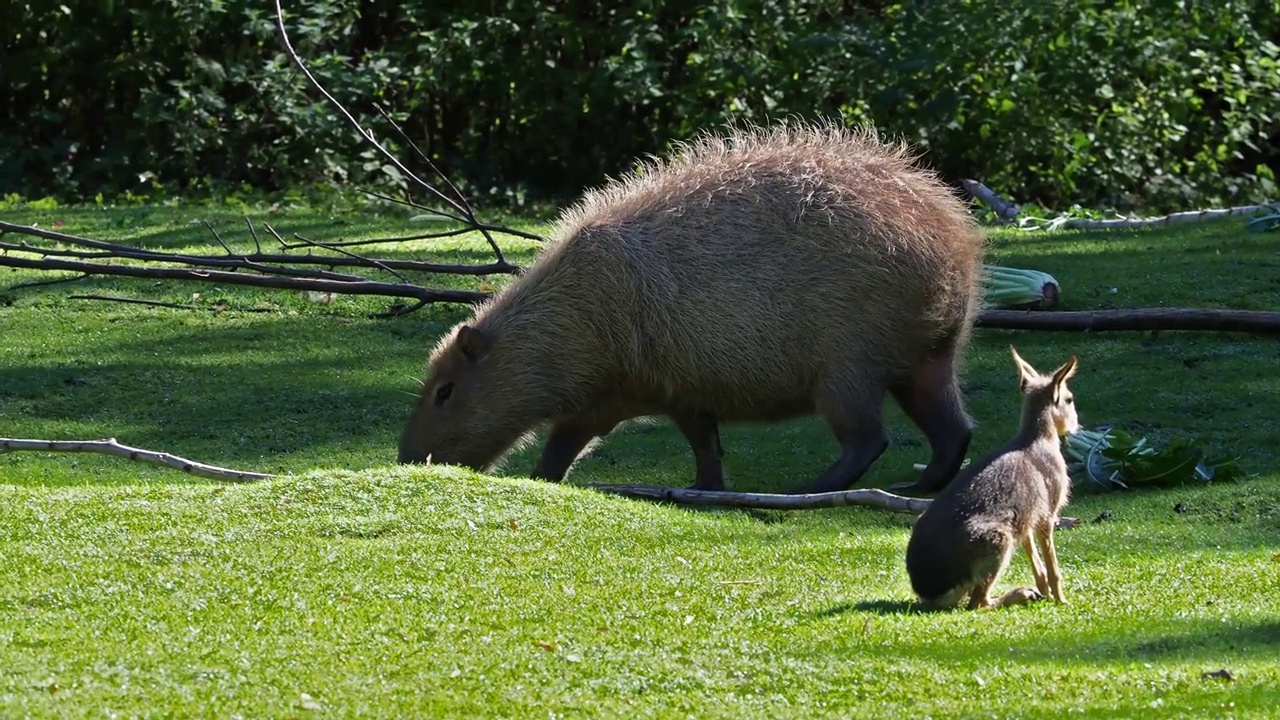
[1062, 374]
[1026, 373]
[473, 343]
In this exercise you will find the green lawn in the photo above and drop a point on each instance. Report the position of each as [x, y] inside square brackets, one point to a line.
[375, 590]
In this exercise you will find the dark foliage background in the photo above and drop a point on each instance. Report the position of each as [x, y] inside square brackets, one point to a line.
[1161, 106]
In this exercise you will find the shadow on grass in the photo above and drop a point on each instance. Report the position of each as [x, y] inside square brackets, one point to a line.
[874, 607]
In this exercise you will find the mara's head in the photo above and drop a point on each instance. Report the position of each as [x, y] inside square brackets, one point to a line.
[1048, 394]
[460, 417]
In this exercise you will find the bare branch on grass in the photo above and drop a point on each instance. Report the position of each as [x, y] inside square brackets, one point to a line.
[109, 446]
[1066, 222]
[218, 307]
[870, 497]
[865, 497]
[1140, 319]
[353, 287]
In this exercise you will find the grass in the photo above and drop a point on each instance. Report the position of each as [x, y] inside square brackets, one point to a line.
[351, 587]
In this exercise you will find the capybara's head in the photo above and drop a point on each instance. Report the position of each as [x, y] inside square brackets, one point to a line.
[460, 418]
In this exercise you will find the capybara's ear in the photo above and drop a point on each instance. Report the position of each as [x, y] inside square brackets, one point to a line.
[473, 343]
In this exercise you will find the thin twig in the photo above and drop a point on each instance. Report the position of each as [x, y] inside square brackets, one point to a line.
[109, 446]
[462, 199]
[42, 283]
[378, 263]
[217, 237]
[365, 133]
[410, 203]
[175, 306]
[257, 246]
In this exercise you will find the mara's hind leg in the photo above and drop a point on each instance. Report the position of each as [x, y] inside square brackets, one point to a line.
[566, 441]
[703, 433]
[930, 396]
[853, 413]
[980, 598]
[1044, 532]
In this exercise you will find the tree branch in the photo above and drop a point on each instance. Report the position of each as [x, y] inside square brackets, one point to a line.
[866, 497]
[1069, 223]
[1249, 321]
[871, 497]
[1003, 208]
[109, 446]
[354, 287]
[464, 211]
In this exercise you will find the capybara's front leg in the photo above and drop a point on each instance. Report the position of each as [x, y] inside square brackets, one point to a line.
[566, 441]
[930, 397]
[857, 426]
[703, 433]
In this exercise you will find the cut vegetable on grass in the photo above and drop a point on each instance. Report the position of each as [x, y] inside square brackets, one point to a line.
[1106, 458]
[1019, 288]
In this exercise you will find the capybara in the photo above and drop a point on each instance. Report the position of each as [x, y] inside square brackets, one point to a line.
[756, 275]
[962, 543]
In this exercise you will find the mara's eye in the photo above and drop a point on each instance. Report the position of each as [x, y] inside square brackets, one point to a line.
[1070, 399]
[443, 393]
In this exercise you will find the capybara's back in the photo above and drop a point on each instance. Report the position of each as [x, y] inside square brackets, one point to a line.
[764, 266]
[755, 276]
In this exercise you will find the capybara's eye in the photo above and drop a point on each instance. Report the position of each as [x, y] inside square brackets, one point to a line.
[443, 393]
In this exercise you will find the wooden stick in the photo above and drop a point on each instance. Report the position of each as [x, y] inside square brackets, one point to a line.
[109, 446]
[866, 497]
[1187, 216]
[1003, 208]
[1250, 321]
[870, 497]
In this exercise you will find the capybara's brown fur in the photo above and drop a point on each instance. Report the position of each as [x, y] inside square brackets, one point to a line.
[757, 275]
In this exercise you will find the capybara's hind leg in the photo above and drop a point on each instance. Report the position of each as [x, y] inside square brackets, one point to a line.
[566, 441]
[930, 397]
[856, 422]
[703, 433]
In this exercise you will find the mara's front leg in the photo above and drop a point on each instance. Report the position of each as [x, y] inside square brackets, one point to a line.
[1044, 534]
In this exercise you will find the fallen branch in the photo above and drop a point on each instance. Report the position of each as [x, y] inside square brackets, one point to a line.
[866, 497]
[1003, 208]
[218, 307]
[1143, 319]
[352, 287]
[257, 260]
[1067, 222]
[870, 497]
[109, 446]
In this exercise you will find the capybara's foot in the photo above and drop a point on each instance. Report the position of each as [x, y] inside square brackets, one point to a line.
[911, 487]
[708, 484]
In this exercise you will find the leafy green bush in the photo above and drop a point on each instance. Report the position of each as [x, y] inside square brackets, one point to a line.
[1119, 104]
